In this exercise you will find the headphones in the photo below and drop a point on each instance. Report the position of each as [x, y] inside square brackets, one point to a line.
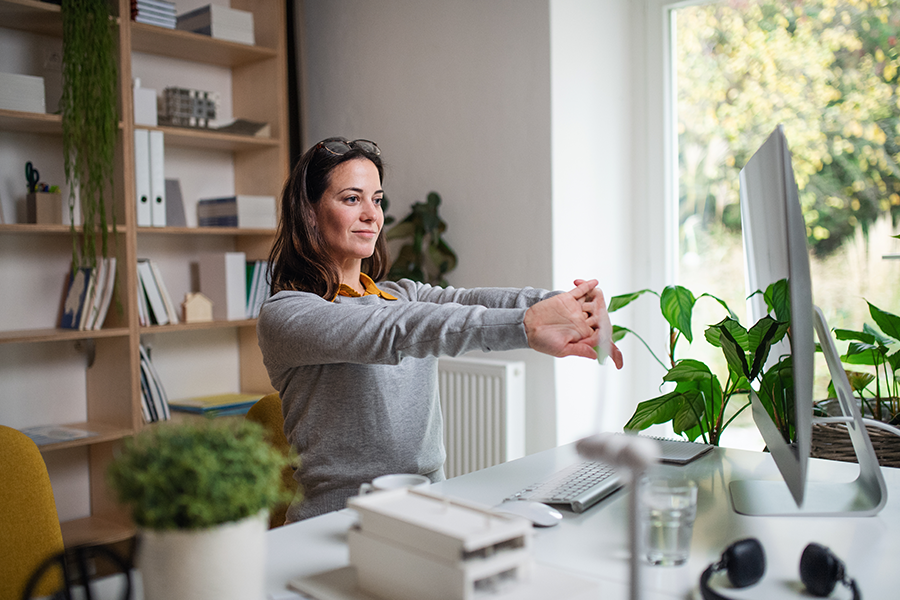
[745, 563]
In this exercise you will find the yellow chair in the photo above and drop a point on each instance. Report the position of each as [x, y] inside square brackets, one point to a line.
[267, 412]
[29, 523]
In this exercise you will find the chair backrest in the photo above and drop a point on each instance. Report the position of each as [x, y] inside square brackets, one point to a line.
[29, 523]
[267, 412]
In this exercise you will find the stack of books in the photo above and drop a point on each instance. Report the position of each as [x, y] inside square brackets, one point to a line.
[154, 402]
[237, 211]
[220, 22]
[155, 306]
[88, 295]
[154, 12]
[184, 107]
[217, 405]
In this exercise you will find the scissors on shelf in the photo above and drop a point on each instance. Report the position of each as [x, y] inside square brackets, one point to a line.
[32, 176]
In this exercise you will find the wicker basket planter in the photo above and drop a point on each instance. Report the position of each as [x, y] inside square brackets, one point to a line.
[832, 440]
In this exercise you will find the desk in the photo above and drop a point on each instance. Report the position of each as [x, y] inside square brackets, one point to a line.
[594, 544]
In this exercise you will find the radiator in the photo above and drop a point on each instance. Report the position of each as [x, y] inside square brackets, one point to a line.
[483, 402]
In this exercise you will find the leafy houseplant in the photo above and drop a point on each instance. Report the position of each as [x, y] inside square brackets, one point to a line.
[199, 494]
[89, 121]
[697, 405]
[424, 256]
[194, 476]
[879, 393]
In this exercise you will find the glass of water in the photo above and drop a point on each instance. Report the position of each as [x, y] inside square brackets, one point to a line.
[668, 509]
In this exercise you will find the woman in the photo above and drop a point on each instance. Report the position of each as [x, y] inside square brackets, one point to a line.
[355, 363]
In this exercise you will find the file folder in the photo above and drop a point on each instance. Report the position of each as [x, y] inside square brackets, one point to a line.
[142, 176]
[157, 180]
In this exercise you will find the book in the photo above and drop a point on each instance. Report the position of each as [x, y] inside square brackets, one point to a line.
[243, 210]
[74, 304]
[108, 288]
[171, 313]
[22, 92]
[54, 434]
[153, 392]
[158, 314]
[223, 280]
[218, 404]
[219, 22]
[175, 215]
[245, 127]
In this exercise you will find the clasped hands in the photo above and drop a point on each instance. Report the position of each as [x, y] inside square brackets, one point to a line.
[573, 323]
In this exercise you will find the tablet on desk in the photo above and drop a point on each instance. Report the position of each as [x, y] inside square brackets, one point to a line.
[680, 452]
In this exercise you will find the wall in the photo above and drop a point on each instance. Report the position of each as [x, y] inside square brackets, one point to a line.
[457, 95]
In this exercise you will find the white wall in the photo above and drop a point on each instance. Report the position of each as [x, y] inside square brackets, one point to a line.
[528, 116]
[457, 95]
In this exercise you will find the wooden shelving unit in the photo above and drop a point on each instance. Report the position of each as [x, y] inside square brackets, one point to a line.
[260, 164]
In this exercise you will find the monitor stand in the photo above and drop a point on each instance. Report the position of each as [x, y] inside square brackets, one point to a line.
[865, 496]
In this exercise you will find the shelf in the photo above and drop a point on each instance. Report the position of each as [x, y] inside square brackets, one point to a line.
[31, 16]
[105, 433]
[58, 335]
[213, 231]
[94, 530]
[185, 45]
[209, 139]
[28, 122]
[198, 326]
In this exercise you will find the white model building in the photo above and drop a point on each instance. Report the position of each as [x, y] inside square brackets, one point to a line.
[416, 545]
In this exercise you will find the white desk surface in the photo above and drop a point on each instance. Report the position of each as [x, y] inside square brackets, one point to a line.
[594, 544]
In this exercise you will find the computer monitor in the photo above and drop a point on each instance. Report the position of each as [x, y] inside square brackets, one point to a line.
[774, 234]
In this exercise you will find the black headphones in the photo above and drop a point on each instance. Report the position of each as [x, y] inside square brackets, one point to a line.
[745, 563]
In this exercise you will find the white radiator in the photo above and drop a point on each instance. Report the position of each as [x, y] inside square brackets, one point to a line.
[483, 402]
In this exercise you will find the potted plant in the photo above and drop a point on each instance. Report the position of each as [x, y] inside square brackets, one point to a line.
[698, 406]
[89, 122]
[423, 256]
[199, 493]
[877, 390]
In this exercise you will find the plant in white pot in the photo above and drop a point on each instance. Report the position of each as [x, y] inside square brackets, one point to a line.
[199, 493]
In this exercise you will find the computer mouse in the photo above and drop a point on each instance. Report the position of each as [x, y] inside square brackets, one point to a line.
[538, 513]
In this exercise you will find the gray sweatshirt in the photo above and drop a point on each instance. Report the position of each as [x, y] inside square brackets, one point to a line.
[358, 377]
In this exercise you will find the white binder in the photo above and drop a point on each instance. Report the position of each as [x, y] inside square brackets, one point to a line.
[157, 180]
[142, 176]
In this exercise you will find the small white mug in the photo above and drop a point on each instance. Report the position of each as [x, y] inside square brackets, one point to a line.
[394, 481]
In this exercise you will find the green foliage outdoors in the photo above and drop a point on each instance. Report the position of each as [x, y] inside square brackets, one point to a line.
[195, 475]
[828, 71]
[699, 405]
[89, 121]
[423, 256]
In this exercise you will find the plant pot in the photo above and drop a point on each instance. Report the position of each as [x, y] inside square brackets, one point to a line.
[832, 441]
[226, 562]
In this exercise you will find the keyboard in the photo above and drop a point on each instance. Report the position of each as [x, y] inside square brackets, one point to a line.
[586, 483]
[577, 487]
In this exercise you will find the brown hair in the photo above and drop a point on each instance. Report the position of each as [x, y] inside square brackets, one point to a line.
[299, 259]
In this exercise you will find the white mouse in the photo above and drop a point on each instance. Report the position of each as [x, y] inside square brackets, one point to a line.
[538, 513]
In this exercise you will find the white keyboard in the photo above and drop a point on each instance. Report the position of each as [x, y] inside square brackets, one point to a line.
[577, 487]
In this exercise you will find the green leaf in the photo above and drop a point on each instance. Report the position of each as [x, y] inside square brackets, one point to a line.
[735, 355]
[889, 323]
[677, 304]
[619, 332]
[860, 353]
[723, 303]
[766, 332]
[688, 369]
[690, 413]
[778, 300]
[402, 229]
[849, 334]
[859, 380]
[657, 410]
[617, 302]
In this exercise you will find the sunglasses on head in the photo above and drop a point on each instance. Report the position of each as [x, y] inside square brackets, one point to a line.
[340, 147]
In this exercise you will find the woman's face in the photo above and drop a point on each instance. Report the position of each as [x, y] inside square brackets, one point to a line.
[349, 215]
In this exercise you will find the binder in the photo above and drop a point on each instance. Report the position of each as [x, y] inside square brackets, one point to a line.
[142, 176]
[157, 180]
[223, 279]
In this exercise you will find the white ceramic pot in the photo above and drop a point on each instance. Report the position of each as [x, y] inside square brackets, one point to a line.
[226, 562]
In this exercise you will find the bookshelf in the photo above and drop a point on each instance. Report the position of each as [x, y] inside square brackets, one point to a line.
[91, 379]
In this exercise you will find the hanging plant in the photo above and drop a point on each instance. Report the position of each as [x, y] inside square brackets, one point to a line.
[89, 122]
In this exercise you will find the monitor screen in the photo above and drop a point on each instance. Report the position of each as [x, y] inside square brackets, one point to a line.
[775, 249]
